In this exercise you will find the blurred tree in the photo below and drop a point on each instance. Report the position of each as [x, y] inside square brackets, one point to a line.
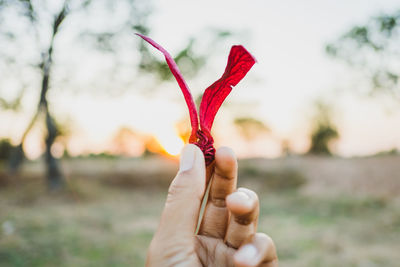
[128, 142]
[285, 145]
[152, 146]
[190, 58]
[14, 105]
[54, 174]
[374, 49]
[30, 30]
[5, 149]
[186, 59]
[323, 130]
[250, 128]
[42, 21]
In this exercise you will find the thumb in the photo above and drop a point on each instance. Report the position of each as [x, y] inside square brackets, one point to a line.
[185, 193]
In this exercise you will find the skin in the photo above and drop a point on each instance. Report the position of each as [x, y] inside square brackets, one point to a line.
[228, 231]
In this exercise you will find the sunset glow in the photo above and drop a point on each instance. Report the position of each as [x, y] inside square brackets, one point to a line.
[171, 143]
[292, 71]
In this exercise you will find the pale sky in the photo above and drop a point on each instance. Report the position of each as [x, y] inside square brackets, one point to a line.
[288, 40]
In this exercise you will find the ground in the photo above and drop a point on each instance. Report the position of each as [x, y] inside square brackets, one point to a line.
[320, 211]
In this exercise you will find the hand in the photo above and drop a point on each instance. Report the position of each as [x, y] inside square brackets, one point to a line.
[227, 235]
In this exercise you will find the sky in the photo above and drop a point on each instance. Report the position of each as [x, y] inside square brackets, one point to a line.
[288, 40]
[293, 71]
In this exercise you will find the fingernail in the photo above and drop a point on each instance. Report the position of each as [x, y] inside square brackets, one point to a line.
[246, 254]
[187, 158]
[242, 195]
[240, 199]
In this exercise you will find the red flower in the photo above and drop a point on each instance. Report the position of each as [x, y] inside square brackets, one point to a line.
[240, 62]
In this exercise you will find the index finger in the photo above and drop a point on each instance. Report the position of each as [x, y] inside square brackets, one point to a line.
[223, 183]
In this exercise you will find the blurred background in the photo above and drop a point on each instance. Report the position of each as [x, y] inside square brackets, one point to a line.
[92, 123]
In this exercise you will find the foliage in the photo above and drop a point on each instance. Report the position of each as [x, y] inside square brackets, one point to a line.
[250, 127]
[323, 131]
[189, 59]
[5, 149]
[40, 24]
[14, 105]
[186, 59]
[374, 49]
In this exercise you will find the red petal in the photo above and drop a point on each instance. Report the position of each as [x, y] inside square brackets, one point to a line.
[240, 62]
[182, 84]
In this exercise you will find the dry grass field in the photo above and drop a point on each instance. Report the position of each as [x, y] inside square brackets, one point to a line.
[320, 211]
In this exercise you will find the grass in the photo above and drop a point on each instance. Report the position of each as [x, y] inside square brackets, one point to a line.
[97, 226]
[342, 231]
[98, 223]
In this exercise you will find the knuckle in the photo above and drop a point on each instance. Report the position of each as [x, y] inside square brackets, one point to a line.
[245, 219]
[224, 175]
[175, 188]
[182, 185]
[184, 173]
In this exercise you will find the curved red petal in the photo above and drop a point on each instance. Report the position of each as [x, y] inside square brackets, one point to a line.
[182, 84]
[240, 62]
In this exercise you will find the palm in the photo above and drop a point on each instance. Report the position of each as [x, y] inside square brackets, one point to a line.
[213, 251]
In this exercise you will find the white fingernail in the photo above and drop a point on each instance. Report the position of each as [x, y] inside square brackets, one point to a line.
[242, 195]
[246, 254]
[187, 158]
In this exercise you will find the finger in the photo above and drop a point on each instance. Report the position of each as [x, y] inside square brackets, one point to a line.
[259, 251]
[244, 208]
[184, 196]
[223, 183]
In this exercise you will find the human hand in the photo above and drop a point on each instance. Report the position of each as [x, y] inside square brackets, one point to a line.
[227, 235]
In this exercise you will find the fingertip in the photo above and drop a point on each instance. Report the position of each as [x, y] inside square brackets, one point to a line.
[246, 256]
[260, 249]
[226, 161]
[199, 153]
[191, 156]
[191, 147]
[241, 202]
[250, 193]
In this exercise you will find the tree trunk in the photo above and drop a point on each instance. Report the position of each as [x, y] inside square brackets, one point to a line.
[55, 179]
[16, 158]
